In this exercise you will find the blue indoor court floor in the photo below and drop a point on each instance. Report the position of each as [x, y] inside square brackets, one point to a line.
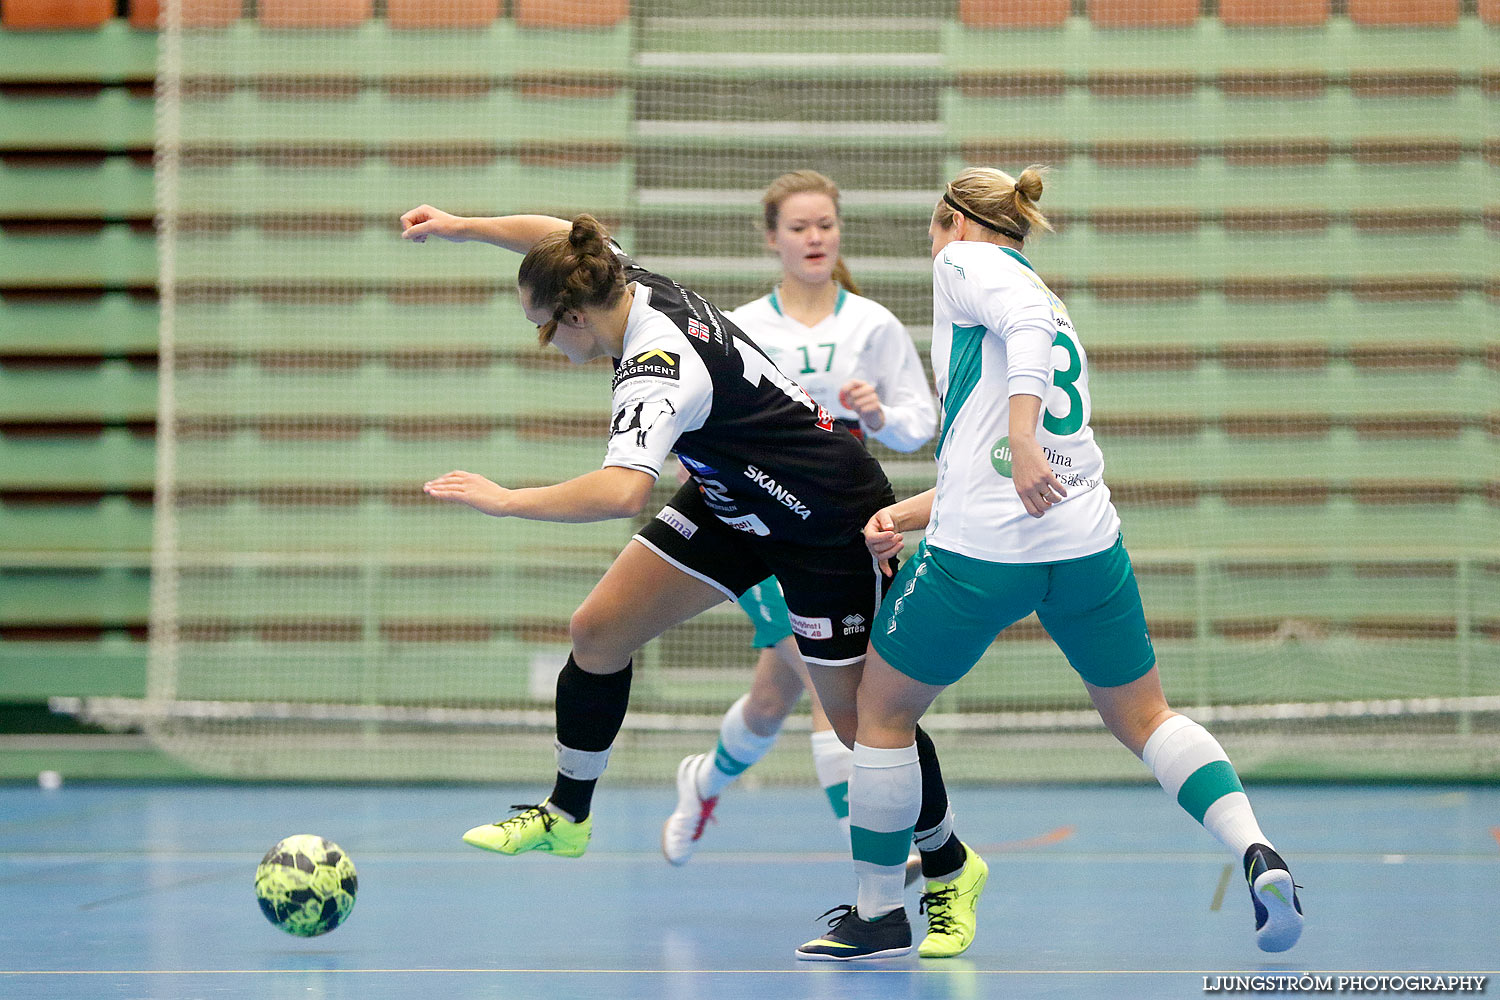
[120, 891]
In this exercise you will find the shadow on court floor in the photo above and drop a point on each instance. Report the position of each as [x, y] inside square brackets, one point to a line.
[145, 891]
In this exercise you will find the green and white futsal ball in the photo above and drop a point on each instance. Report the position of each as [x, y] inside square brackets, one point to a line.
[306, 885]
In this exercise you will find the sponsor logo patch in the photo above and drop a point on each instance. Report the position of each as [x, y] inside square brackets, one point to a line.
[854, 624]
[778, 492]
[825, 420]
[640, 417]
[674, 520]
[656, 364]
[749, 523]
[811, 628]
[698, 329]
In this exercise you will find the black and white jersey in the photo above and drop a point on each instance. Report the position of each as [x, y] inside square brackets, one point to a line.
[768, 460]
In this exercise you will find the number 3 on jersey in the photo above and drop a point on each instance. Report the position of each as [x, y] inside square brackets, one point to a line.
[1072, 419]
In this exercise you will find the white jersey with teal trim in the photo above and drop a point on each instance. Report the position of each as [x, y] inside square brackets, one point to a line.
[859, 339]
[999, 331]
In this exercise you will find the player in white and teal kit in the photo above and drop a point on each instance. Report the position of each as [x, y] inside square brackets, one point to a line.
[1020, 521]
[856, 360]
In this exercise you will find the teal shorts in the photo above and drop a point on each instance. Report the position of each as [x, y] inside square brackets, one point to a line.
[944, 610]
[766, 608]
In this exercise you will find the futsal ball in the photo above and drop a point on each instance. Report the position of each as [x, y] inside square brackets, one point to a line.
[306, 885]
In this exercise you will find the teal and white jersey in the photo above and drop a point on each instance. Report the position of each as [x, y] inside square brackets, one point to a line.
[999, 331]
[860, 339]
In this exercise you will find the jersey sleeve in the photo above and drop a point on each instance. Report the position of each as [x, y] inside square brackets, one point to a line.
[659, 395]
[1010, 307]
[910, 412]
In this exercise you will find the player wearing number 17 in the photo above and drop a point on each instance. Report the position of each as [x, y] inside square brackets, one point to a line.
[1020, 521]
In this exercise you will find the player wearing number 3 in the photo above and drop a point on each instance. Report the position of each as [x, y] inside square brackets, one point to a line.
[1020, 521]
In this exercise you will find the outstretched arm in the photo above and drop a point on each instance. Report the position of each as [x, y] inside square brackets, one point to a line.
[601, 495]
[513, 232]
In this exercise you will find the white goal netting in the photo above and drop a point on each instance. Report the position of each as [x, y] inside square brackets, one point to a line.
[1278, 244]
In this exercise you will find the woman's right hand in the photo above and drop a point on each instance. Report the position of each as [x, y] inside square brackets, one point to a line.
[882, 538]
[424, 221]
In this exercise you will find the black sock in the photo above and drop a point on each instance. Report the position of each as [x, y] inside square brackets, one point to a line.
[949, 856]
[590, 710]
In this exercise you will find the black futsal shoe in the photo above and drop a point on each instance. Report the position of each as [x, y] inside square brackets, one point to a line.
[851, 937]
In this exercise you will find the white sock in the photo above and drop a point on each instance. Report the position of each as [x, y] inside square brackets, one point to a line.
[885, 797]
[931, 840]
[1193, 768]
[834, 762]
[737, 751]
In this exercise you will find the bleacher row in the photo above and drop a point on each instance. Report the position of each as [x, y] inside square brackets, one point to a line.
[35, 15]
[1321, 216]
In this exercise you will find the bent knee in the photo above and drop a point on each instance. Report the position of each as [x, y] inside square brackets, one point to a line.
[596, 640]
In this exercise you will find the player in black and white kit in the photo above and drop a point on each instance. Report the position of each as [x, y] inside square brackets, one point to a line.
[776, 488]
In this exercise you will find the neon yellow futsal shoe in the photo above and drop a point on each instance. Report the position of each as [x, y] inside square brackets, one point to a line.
[952, 909]
[533, 829]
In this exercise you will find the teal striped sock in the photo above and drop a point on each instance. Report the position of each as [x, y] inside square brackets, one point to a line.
[885, 796]
[1193, 768]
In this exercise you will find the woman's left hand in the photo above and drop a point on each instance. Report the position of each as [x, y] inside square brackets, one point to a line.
[468, 488]
[861, 397]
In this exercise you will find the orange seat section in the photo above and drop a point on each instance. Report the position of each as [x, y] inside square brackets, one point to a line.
[441, 13]
[314, 13]
[1273, 13]
[569, 13]
[1143, 13]
[1013, 13]
[146, 14]
[52, 15]
[1403, 12]
[1489, 11]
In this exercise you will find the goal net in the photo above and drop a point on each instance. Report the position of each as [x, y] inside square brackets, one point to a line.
[1276, 235]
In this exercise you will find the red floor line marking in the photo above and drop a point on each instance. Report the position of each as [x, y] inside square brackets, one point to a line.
[1041, 840]
[1495, 832]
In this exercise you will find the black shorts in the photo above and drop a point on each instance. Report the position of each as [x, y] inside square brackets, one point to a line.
[832, 593]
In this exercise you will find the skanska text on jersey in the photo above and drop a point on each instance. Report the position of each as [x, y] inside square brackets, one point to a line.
[776, 490]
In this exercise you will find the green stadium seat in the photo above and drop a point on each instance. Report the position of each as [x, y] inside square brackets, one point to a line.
[77, 322]
[1307, 174]
[441, 14]
[95, 596]
[55, 15]
[111, 53]
[77, 389]
[79, 185]
[43, 254]
[89, 523]
[1210, 46]
[1403, 13]
[76, 117]
[69, 456]
[40, 663]
[360, 117]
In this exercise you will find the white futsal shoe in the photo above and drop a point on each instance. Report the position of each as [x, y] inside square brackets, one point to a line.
[684, 828]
